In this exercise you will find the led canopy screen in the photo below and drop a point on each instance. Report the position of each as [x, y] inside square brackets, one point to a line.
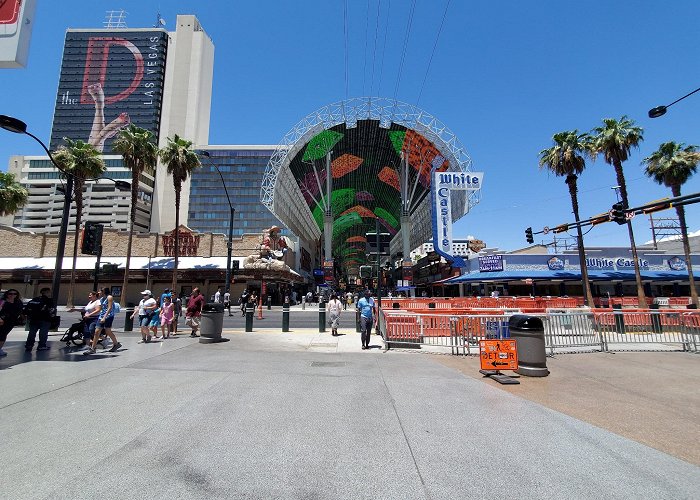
[365, 163]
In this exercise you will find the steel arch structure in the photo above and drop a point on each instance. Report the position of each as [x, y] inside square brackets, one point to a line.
[281, 192]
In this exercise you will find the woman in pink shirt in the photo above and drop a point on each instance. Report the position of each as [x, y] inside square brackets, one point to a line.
[167, 312]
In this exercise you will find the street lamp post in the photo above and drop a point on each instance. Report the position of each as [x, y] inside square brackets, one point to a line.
[661, 110]
[229, 245]
[19, 127]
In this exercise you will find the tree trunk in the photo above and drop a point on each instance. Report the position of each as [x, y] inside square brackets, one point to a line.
[135, 175]
[78, 196]
[637, 275]
[680, 210]
[573, 191]
[178, 188]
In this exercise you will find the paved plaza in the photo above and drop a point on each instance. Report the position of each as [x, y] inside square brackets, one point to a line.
[307, 415]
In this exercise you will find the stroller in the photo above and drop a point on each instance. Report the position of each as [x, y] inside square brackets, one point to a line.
[75, 334]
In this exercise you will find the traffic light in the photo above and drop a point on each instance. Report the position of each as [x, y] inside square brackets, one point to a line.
[365, 272]
[234, 266]
[528, 235]
[109, 269]
[92, 238]
[617, 213]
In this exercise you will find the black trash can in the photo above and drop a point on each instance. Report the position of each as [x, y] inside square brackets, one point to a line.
[528, 331]
[619, 319]
[431, 305]
[656, 326]
[212, 323]
[128, 320]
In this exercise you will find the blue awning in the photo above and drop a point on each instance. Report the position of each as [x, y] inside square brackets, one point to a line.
[593, 275]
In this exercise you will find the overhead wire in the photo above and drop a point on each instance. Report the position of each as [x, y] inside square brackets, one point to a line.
[405, 46]
[386, 32]
[364, 68]
[374, 52]
[430, 61]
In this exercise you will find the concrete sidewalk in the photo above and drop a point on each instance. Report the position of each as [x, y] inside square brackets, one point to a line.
[308, 415]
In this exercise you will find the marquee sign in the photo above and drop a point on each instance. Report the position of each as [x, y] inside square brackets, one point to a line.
[442, 185]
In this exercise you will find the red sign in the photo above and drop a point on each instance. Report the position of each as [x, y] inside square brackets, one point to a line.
[189, 244]
[407, 272]
[9, 11]
[499, 354]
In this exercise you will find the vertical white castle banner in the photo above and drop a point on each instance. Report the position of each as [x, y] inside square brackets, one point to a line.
[442, 185]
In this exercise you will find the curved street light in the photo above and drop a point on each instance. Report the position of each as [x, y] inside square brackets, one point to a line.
[229, 244]
[661, 110]
[17, 126]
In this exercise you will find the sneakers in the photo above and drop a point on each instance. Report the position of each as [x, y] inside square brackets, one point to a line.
[89, 351]
[2, 353]
[193, 335]
[43, 348]
[115, 347]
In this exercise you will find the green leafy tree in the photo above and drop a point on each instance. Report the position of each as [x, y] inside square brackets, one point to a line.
[12, 195]
[140, 153]
[672, 165]
[83, 161]
[180, 160]
[614, 140]
[566, 158]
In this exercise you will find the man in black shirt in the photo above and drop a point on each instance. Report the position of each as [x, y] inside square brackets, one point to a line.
[39, 312]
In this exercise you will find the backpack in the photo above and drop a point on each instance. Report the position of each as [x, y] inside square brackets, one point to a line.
[116, 307]
[34, 308]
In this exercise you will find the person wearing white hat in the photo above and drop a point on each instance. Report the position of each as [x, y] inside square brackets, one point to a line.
[145, 311]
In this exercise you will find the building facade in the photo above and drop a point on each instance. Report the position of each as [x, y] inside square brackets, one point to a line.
[110, 78]
[242, 168]
[102, 201]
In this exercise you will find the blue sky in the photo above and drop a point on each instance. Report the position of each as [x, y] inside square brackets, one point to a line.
[505, 76]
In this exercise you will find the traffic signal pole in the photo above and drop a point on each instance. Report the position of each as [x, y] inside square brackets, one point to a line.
[97, 268]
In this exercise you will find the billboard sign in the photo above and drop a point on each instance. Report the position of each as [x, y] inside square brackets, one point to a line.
[490, 263]
[16, 22]
[109, 79]
[443, 183]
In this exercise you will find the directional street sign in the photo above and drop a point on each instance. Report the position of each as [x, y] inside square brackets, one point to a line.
[498, 354]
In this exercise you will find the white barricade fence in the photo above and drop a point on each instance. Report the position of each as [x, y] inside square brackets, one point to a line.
[564, 330]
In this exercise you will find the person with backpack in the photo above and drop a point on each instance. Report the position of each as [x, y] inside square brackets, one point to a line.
[39, 312]
[104, 321]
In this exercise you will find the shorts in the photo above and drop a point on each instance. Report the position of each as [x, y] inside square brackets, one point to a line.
[155, 321]
[164, 321]
[144, 320]
[193, 321]
[107, 324]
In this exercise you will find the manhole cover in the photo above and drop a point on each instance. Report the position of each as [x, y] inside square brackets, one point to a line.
[328, 364]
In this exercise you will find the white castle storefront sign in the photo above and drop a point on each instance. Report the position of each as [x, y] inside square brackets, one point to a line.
[443, 183]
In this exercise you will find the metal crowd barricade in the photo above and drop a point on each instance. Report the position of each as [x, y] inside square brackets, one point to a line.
[565, 331]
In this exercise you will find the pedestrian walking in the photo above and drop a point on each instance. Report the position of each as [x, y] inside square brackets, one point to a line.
[177, 312]
[368, 316]
[217, 296]
[166, 293]
[10, 315]
[167, 313]
[39, 312]
[243, 301]
[227, 302]
[155, 323]
[194, 311]
[103, 325]
[145, 312]
[91, 313]
[335, 307]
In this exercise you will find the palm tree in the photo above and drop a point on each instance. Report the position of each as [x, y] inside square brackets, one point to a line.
[672, 165]
[614, 140]
[180, 161]
[566, 158]
[83, 162]
[12, 195]
[140, 153]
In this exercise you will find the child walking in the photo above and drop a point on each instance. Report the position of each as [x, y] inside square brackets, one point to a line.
[167, 313]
